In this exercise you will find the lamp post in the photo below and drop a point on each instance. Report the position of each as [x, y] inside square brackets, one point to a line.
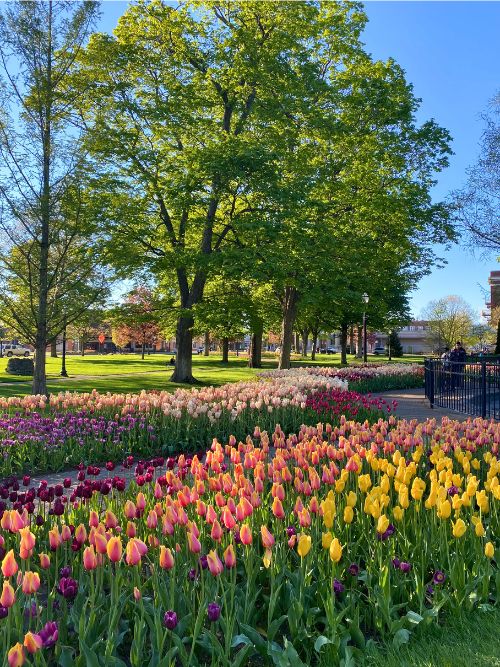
[389, 344]
[366, 298]
[64, 372]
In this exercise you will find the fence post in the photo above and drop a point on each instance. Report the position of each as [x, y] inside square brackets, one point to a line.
[483, 389]
[430, 376]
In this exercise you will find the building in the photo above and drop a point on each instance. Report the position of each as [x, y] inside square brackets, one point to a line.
[415, 338]
[494, 300]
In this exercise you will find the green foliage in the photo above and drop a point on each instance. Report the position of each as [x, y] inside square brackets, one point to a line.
[395, 344]
[20, 366]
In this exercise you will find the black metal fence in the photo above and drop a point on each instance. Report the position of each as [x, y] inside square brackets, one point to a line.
[471, 387]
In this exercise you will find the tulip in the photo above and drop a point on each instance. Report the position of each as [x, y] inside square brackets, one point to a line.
[459, 528]
[230, 557]
[132, 552]
[55, 539]
[89, 558]
[489, 550]
[348, 514]
[214, 563]
[101, 543]
[8, 596]
[245, 534]
[137, 594]
[303, 545]
[326, 540]
[32, 642]
[267, 558]
[31, 583]
[114, 549]
[213, 612]
[335, 550]
[15, 656]
[166, 558]
[9, 564]
[267, 537]
[216, 532]
[479, 529]
[170, 620]
[277, 508]
[194, 545]
[66, 535]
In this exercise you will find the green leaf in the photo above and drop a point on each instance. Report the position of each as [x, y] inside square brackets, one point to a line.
[66, 659]
[91, 658]
[414, 618]
[401, 637]
[320, 642]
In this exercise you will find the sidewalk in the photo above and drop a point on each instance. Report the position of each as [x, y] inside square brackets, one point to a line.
[412, 404]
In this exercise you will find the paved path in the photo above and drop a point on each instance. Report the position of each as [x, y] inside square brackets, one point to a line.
[412, 404]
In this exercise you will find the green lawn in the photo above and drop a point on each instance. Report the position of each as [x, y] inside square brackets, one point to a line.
[469, 640]
[151, 373]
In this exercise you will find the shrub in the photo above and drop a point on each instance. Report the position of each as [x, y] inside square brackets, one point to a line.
[20, 366]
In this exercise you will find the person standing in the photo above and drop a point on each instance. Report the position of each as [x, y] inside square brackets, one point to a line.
[458, 357]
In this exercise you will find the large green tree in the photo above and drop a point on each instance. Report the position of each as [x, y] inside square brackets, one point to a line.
[39, 153]
[191, 111]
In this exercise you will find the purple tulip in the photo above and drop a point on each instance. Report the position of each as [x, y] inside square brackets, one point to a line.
[49, 634]
[353, 569]
[405, 567]
[338, 587]
[170, 620]
[439, 577]
[4, 612]
[213, 611]
[68, 588]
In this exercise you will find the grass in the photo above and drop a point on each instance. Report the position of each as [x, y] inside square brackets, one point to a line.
[463, 641]
[129, 373]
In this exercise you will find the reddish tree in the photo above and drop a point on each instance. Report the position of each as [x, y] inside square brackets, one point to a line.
[136, 321]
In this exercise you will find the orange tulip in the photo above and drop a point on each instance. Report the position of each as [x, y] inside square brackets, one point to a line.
[32, 642]
[216, 532]
[228, 518]
[131, 530]
[193, 543]
[101, 543]
[81, 534]
[141, 501]
[44, 561]
[245, 534]
[278, 508]
[66, 535]
[15, 656]
[55, 540]
[129, 510]
[9, 564]
[132, 553]
[230, 557]
[93, 519]
[8, 596]
[137, 594]
[89, 558]
[114, 549]
[267, 538]
[110, 520]
[31, 583]
[214, 563]
[166, 558]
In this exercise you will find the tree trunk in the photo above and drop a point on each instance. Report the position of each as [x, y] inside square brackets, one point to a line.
[82, 343]
[206, 347]
[314, 335]
[143, 349]
[184, 343]
[53, 348]
[289, 307]
[39, 375]
[225, 350]
[305, 340]
[297, 342]
[343, 342]
[359, 342]
[255, 352]
[351, 340]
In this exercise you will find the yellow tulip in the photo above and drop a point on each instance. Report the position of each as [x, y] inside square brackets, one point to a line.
[459, 528]
[382, 524]
[348, 514]
[326, 540]
[489, 550]
[398, 513]
[479, 529]
[304, 545]
[335, 550]
[267, 558]
[351, 499]
[444, 509]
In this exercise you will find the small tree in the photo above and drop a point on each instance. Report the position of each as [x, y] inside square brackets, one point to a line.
[395, 347]
[136, 320]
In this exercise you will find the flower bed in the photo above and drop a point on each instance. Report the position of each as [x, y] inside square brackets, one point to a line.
[364, 378]
[332, 403]
[296, 550]
[40, 435]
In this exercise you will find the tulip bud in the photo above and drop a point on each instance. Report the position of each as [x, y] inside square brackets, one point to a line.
[114, 549]
[32, 642]
[15, 656]
[44, 561]
[31, 583]
[8, 596]
[166, 558]
[9, 564]
[89, 558]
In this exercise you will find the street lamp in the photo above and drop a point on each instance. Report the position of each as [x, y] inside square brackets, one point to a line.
[389, 344]
[64, 372]
[366, 298]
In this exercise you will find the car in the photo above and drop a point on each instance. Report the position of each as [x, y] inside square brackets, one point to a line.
[331, 350]
[380, 349]
[10, 350]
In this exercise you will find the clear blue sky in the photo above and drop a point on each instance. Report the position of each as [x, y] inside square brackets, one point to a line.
[451, 54]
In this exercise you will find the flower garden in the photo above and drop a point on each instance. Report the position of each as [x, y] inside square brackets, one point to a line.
[276, 547]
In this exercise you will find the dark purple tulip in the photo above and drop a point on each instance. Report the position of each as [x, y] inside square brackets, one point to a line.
[67, 482]
[453, 490]
[213, 611]
[405, 567]
[65, 571]
[338, 587]
[353, 569]
[26, 480]
[192, 574]
[429, 590]
[39, 520]
[68, 588]
[4, 612]
[396, 562]
[170, 620]
[290, 531]
[49, 634]
[203, 562]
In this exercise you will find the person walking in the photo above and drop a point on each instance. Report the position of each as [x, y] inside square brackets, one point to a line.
[446, 368]
[458, 357]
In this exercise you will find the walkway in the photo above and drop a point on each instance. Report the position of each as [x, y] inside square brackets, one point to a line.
[412, 404]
